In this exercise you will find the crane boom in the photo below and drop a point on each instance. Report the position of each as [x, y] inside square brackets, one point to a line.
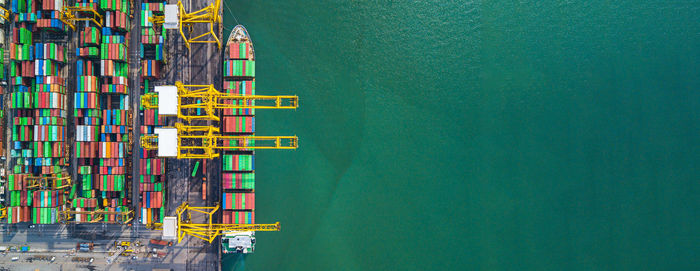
[201, 142]
[209, 100]
[208, 231]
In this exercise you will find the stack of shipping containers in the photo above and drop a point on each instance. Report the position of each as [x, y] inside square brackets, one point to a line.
[87, 115]
[37, 80]
[238, 175]
[111, 177]
[3, 84]
[152, 169]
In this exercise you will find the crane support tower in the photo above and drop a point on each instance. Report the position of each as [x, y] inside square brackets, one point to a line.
[176, 17]
[208, 99]
[178, 227]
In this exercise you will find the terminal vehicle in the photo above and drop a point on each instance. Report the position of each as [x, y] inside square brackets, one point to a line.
[85, 246]
[83, 259]
[122, 244]
[161, 242]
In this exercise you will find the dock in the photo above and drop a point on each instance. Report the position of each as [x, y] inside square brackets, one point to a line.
[199, 65]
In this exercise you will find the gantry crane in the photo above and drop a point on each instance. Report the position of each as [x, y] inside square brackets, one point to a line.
[121, 217]
[208, 99]
[208, 15]
[207, 231]
[53, 182]
[69, 15]
[201, 142]
[5, 14]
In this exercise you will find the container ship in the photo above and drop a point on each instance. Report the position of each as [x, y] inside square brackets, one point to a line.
[238, 168]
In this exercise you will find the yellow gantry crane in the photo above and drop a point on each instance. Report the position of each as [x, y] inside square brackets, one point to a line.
[201, 142]
[208, 99]
[208, 15]
[5, 14]
[207, 231]
[121, 216]
[69, 15]
[53, 182]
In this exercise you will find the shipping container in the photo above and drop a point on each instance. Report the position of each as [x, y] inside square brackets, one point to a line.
[240, 180]
[239, 50]
[239, 68]
[239, 124]
[238, 217]
[238, 162]
[238, 201]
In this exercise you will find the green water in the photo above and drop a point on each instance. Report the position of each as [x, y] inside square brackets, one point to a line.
[491, 135]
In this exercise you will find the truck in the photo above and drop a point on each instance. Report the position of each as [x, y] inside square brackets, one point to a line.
[85, 246]
[25, 249]
[122, 244]
[82, 259]
[161, 242]
[204, 189]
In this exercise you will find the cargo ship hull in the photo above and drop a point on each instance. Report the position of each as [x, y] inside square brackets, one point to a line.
[238, 168]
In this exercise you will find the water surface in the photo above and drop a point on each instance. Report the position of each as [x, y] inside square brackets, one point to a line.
[492, 135]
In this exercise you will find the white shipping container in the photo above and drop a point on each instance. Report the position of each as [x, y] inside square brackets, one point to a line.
[54, 100]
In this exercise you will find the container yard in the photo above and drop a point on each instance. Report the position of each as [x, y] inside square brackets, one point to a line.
[82, 162]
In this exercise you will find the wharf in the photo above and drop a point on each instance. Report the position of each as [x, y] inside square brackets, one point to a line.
[201, 65]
